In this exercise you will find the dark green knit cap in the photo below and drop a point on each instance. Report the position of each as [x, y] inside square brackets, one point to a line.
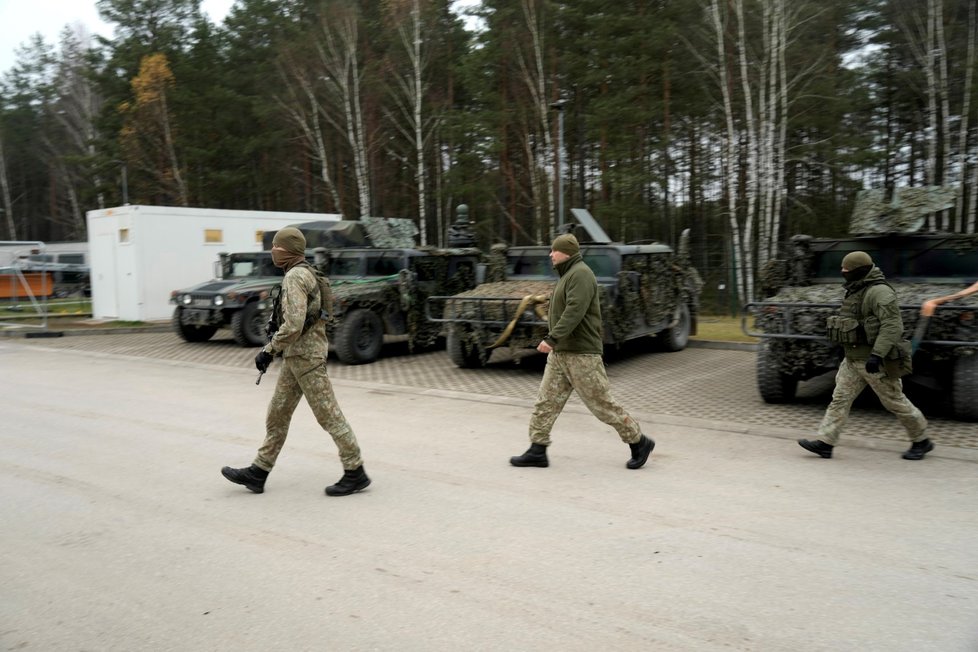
[566, 244]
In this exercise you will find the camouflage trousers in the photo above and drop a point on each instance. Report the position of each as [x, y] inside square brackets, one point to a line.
[850, 380]
[300, 376]
[584, 373]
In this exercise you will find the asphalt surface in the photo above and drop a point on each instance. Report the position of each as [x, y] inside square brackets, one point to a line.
[117, 531]
[715, 386]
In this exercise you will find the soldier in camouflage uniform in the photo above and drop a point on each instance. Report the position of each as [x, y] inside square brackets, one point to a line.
[870, 330]
[302, 343]
[574, 346]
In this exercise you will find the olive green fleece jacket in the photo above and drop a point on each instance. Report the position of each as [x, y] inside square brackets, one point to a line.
[575, 310]
[872, 302]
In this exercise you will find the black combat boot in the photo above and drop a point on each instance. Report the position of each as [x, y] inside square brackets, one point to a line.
[251, 477]
[640, 452]
[535, 455]
[919, 449]
[816, 446]
[351, 482]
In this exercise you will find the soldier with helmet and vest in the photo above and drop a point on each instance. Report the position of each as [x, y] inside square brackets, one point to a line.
[870, 330]
[301, 341]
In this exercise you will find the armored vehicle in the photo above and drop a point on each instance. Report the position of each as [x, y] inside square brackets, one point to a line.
[805, 288]
[231, 300]
[228, 301]
[646, 290]
[379, 295]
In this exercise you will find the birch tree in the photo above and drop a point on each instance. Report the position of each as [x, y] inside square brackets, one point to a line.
[339, 56]
[963, 150]
[539, 159]
[306, 112]
[75, 109]
[8, 205]
[409, 91]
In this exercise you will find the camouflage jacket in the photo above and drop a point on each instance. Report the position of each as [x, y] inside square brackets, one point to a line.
[575, 310]
[873, 303]
[299, 294]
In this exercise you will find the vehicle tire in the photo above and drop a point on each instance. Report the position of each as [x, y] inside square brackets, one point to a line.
[773, 385]
[248, 325]
[189, 332]
[463, 357]
[359, 337]
[964, 390]
[676, 337]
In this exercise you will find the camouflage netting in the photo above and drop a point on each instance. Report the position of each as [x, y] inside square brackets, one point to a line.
[390, 232]
[477, 335]
[652, 301]
[905, 212]
[800, 357]
[496, 266]
[381, 293]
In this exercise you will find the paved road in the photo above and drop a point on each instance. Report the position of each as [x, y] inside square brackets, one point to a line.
[118, 532]
[714, 386]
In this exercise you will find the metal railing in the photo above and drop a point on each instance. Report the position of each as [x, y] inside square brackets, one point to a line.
[20, 287]
[786, 311]
[474, 310]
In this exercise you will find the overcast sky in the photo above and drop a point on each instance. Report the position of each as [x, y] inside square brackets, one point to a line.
[19, 19]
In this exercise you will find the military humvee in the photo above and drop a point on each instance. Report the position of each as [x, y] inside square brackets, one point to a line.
[646, 289]
[806, 287]
[228, 301]
[379, 295]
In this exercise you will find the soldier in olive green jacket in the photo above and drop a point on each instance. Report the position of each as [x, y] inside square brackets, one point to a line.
[870, 330]
[574, 346]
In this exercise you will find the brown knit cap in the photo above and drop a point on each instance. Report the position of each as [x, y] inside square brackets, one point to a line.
[566, 244]
[856, 259]
[290, 239]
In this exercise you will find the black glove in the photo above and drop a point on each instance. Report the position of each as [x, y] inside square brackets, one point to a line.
[262, 360]
[873, 364]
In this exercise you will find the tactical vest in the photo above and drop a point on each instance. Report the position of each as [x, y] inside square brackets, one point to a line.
[851, 326]
[313, 317]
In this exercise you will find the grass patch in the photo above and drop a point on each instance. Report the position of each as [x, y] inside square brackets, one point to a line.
[66, 307]
[722, 328]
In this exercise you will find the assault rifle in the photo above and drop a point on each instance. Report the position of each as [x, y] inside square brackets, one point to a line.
[272, 325]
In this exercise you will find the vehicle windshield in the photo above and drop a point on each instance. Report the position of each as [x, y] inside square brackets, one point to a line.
[930, 260]
[252, 266]
[536, 264]
[380, 263]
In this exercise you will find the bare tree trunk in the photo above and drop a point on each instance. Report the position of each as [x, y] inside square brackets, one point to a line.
[417, 64]
[750, 193]
[945, 134]
[409, 97]
[536, 83]
[973, 200]
[969, 74]
[171, 150]
[339, 56]
[308, 123]
[779, 186]
[730, 172]
[8, 205]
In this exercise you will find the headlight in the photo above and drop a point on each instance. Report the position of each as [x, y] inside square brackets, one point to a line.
[219, 300]
[186, 299]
